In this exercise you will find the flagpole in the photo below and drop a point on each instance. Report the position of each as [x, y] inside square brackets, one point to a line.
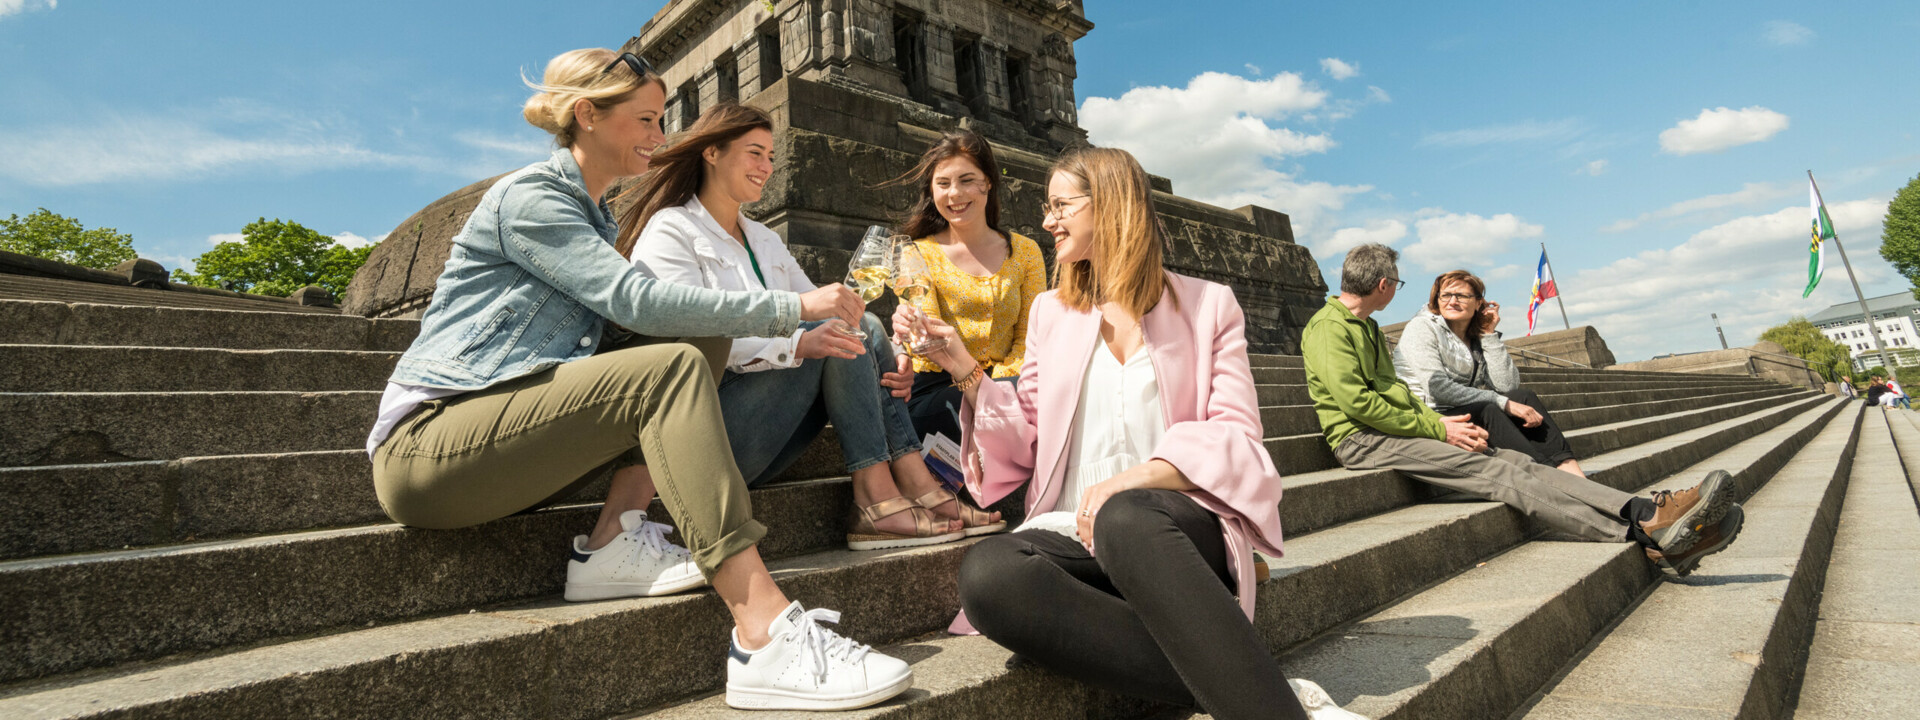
[1557, 292]
[1873, 331]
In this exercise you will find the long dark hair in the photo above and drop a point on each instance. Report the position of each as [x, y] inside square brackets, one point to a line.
[674, 176]
[923, 219]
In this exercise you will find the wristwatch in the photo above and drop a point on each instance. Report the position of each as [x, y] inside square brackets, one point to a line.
[971, 381]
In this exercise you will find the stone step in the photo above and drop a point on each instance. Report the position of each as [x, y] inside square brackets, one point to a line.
[542, 659]
[28, 322]
[211, 591]
[80, 368]
[1729, 638]
[1309, 452]
[81, 508]
[1298, 376]
[1455, 650]
[1325, 578]
[1864, 661]
[15, 287]
[86, 427]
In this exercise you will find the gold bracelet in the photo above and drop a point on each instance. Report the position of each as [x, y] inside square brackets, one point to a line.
[971, 381]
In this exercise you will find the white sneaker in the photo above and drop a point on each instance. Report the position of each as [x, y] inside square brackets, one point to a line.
[808, 667]
[638, 563]
[1319, 704]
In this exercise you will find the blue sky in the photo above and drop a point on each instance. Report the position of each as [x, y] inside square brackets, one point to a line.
[1660, 152]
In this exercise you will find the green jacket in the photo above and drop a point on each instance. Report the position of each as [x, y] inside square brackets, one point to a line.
[1350, 379]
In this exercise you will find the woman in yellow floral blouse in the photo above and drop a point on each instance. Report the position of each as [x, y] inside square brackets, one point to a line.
[984, 279]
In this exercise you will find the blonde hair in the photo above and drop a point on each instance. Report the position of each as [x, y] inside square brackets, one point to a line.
[576, 75]
[1127, 235]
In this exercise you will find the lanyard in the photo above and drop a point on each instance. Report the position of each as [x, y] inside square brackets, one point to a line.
[753, 259]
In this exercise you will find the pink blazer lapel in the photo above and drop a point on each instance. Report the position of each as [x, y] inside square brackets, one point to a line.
[1069, 346]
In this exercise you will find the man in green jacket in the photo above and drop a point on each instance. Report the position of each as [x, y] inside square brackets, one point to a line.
[1374, 421]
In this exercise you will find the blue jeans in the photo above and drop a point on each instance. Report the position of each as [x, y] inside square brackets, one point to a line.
[772, 415]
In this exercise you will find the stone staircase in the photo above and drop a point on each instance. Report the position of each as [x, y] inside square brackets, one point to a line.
[188, 530]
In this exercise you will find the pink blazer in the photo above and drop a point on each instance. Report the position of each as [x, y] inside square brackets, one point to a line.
[1199, 350]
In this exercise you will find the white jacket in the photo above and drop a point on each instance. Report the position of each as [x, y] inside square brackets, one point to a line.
[685, 245]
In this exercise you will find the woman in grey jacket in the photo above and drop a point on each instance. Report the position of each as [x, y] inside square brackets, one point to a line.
[1451, 355]
[502, 405]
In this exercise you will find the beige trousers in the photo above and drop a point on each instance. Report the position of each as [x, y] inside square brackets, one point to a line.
[1560, 500]
[534, 440]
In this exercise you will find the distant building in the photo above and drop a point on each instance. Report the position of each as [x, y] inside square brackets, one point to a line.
[1895, 315]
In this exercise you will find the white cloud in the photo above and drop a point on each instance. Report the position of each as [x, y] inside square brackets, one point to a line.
[1455, 240]
[1528, 131]
[1501, 273]
[15, 7]
[1252, 68]
[1339, 69]
[1721, 128]
[225, 238]
[1748, 194]
[1783, 33]
[1220, 140]
[1749, 269]
[1375, 94]
[350, 240]
[1385, 232]
[127, 149]
[1594, 169]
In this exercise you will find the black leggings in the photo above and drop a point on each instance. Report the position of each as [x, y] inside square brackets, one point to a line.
[1543, 443]
[1152, 617]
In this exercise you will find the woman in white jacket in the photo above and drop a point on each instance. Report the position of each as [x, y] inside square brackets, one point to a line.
[778, 392]
[1452, 357]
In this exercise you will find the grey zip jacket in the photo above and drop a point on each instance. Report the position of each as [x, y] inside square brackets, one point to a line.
[533, 279]
[1439, 367]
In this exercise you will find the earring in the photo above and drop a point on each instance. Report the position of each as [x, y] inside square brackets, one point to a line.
[589, 128]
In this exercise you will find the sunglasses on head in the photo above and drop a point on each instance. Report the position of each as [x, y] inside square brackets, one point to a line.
[639, 65]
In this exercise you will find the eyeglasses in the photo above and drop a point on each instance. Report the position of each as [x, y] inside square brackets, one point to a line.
[1057, 207]
[1457, 297]
[1397, 283]
[639, 65]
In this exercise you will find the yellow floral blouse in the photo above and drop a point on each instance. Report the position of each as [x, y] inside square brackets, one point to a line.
[990, 313]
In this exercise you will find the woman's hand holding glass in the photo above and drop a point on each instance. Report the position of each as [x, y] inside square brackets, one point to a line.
[951, 355]
[832, 302]
[827, 340]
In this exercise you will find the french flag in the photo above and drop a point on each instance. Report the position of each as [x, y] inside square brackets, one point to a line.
[1542, 290]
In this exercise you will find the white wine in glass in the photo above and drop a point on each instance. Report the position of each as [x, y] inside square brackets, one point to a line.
[912, 281]
[869, 270]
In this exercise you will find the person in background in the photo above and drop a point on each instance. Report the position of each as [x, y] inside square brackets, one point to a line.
[502, 405]
[1135, 431]
[778, 393]
[1846, 386]
[1896, 396]
[1373, 421]
[1452, 357]
[1876, 388]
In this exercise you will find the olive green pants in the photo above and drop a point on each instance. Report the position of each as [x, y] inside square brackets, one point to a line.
[534, 440]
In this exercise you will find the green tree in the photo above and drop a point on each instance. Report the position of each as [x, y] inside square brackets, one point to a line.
[1900, 234]
[61, 238]
[1804, 341]
[277, 257]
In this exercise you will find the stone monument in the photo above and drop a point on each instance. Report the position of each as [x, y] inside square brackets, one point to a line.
[857, 89]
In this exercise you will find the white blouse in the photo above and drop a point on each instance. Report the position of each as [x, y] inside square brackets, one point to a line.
[1116, 426]
[686, 246]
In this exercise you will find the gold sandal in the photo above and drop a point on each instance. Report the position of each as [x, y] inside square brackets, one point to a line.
[928, 529]
[975, 520]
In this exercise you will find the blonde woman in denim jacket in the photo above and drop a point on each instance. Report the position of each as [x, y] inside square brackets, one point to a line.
[501, 405]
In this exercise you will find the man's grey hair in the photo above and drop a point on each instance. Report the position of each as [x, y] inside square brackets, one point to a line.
[1365, 267]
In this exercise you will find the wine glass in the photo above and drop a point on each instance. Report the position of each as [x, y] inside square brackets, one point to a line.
[912, 281]
[868, 271]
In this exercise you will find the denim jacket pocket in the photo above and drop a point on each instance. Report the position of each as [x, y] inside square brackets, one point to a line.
[484, 333]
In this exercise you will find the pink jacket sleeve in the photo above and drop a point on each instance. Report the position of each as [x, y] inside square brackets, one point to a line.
[1223, 453]
[998, 430]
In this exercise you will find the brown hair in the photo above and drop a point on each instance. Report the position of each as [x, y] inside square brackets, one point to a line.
[923, 219]
[578, 75]
[674, 176]
[1479, 293]
[1127, 240]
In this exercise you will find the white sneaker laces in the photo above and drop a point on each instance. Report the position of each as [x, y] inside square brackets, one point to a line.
[653, 537]
[822, 643]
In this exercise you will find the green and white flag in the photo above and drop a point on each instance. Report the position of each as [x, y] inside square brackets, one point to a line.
[1822, 232]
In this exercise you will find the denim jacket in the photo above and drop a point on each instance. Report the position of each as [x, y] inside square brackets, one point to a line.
[533, 278]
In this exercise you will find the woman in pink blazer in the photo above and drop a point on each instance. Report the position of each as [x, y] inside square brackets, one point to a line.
[1135, 429]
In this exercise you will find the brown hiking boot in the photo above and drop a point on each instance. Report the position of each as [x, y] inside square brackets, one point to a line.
[1680, 516]
[1711, 540]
